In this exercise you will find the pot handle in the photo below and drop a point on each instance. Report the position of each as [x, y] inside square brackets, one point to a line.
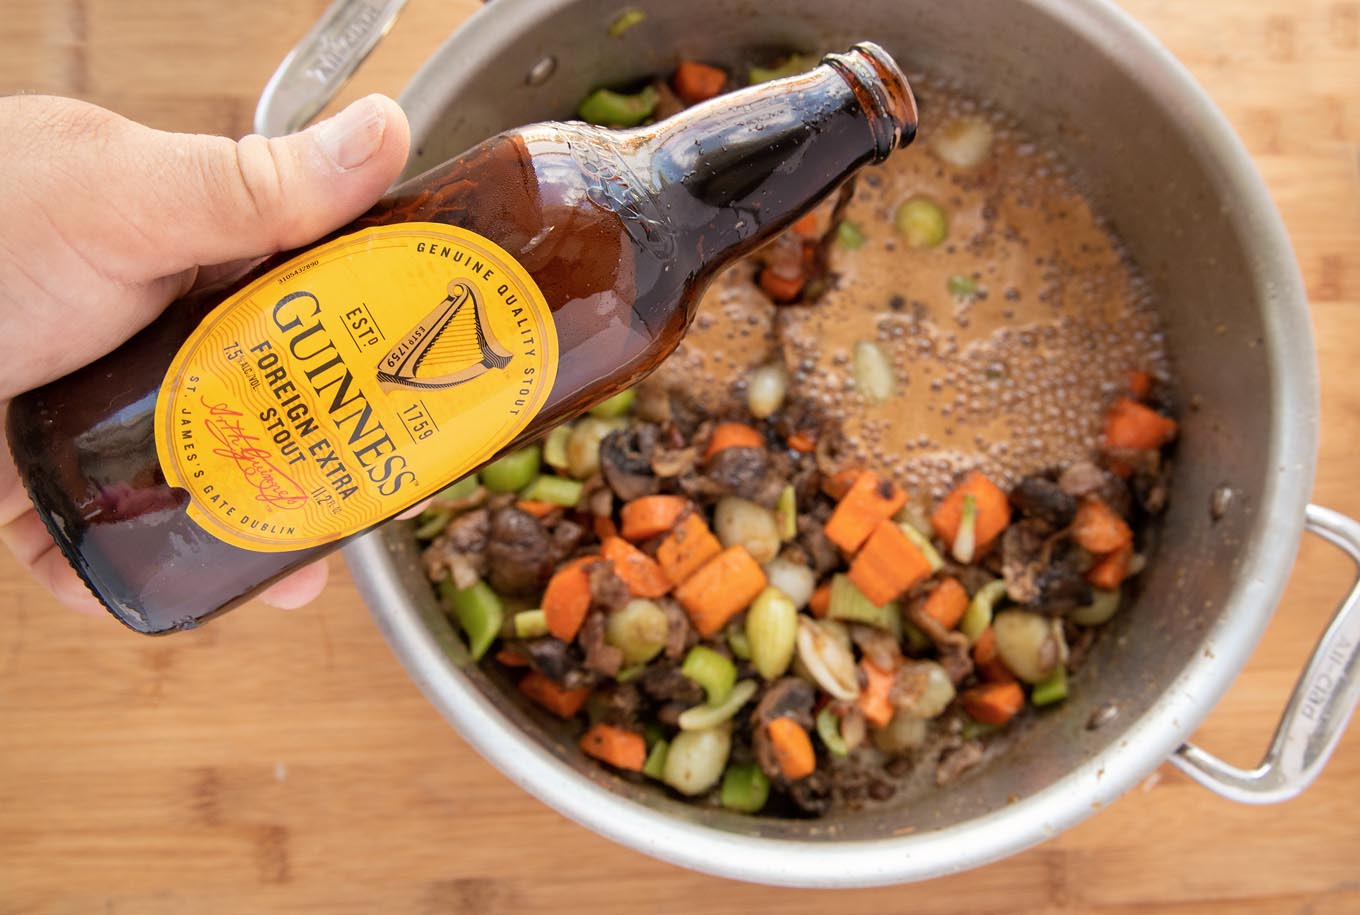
[320, 63]
[1322, 703]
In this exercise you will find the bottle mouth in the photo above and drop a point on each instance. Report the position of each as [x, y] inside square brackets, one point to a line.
[883, 92]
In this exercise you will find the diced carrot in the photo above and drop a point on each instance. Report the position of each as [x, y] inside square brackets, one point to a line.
[537, 509]
[792, 748]
[871, 499]
[839, 483]
[649, 516]
[620, 748]
[802, 442]
[733, 435]
[695, 82]
[782, 289]
[993, 703]
[1097, 528]
[639, 571]
[947, 603]
[1112, 568]
[888, 564]
[1140, 384]
[988, 660]
[687, 548]
[806, 225]
[511, 658]
[567, 598]
[562, 702]
[720, 590]
[604, 527]
[820, 602]
[992, 507]
[1129, 424]
[873, 698]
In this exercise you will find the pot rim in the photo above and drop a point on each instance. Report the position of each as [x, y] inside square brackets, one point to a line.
[1149, 740]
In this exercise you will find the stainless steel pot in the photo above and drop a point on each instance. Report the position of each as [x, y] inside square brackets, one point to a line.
[1159, 160]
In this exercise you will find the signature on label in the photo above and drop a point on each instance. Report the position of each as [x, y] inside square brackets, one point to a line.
[272, 485]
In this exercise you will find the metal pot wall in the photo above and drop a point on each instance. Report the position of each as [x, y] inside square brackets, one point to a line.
[1163, 165]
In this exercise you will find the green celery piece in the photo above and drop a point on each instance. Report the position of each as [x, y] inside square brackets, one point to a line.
[432, 522]
[848, 236]
[715, 673]
[530, 624]
[745, 788]
[1051, 689]
[557, 490]
[555, 447]
[978, 616]
[615, 406]
[829, 729]
[656, 760]
[608, 108]
[849, 603]
[514, 471]
[790, 66]
[479, 612]
[626, 20]
[786, 513]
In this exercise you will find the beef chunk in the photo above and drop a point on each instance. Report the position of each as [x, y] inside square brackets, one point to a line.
[551, 657]
[460, 550]
[607, 591]
[752, 473]
[519, 553]
[956, 761]
[1039, 497]
[811, 795]
[626, 461]
[664, 683]
[681, 635]
[601, 657]
[821, 552]
[621, 705]
[1023, 546]
[566, 536]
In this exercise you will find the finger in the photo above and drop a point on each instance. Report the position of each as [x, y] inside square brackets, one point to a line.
[415, 510]
[27, 538]
[158, 203]
[302, 587]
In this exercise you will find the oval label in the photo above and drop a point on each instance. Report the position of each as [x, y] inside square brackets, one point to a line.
[351, 382]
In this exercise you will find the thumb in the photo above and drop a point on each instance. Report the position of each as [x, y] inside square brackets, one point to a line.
[221, 200]
[151, 204]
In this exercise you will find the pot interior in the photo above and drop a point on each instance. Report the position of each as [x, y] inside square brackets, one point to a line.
[1120, 116]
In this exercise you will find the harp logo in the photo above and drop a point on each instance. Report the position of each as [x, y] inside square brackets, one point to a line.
[449, 346]
[352, 381]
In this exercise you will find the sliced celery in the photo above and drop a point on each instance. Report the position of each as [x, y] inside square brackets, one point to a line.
[744, 788]
[432, 522]
[961, 286]
[1051, 689]
[849, 603]
[829, 729]
[978, 616]
[615, 109]
[922, 543]
[555, 447]
[479, 612]
[737, 641]
[848, 236]
[715, 673]
[530, 624]
[624, 21]
[512, 472]
[656, 760]
[557, 490]
[791, 66]
[615, 406]
[461, 489]
[786, 513]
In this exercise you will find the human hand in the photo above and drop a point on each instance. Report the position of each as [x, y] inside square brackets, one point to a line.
[106, 222]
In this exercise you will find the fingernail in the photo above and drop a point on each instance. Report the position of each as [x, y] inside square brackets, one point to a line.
[350, 138]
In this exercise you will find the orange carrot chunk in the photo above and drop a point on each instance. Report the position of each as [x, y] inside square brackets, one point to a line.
[1129, 424]
[947, 603]
[605, 527]
[733, 435]
[873, 699]
[537, 509]
[888, 564]
[567, 598]
[839, 483]
[695, 82]
[650, 516]
[993, 703]
[720, 590]
[782, 289]
[820, 602]
[802, 442]
[792, 748]
[562, 702]
[621, 749]
[511, 658]
[992, 507]
[871, 499]
[988, 659]
[1097, 528]
[640, 572]
[1112, 568]
[687, 548]
[806, 225]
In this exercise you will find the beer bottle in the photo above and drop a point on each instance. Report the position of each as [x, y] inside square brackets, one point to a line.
[250, 430]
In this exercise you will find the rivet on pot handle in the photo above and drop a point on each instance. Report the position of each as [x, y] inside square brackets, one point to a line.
[318, 66]
[1322, 703]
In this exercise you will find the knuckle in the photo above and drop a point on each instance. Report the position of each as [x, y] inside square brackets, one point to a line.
[260, 165]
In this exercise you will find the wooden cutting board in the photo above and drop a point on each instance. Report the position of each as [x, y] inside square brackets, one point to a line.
[282, 761]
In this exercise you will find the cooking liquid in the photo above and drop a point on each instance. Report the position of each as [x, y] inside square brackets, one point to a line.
[1010, 380]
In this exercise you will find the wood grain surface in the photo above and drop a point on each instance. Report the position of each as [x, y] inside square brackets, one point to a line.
[282, 761]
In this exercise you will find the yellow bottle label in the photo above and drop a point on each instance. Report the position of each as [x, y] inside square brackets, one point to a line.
[351, 382]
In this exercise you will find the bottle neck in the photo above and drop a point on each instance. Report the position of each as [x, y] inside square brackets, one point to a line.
[737, 170]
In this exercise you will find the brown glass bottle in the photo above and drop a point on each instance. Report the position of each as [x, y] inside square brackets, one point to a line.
[640, 222]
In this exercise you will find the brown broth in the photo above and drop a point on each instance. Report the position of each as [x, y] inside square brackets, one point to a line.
[1011, 381]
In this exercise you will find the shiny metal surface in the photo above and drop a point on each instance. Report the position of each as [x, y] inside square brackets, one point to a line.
[1161, 162]
[1321, 705]
[318, 66]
